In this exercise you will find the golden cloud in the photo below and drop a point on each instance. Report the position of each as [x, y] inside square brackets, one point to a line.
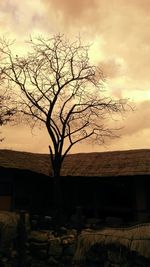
[122, 25]
[71, 8]
[137, 121]
[111, 68]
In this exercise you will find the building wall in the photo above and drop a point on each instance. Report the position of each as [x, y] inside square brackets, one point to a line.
[142, 198]
[100, 197]
[23, 189]
[126, 197]
[5, 191]
[5, 203]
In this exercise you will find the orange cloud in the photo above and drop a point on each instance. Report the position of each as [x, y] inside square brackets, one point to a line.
[137, 121]
[123, 26]
[71, 8]
[111, 68]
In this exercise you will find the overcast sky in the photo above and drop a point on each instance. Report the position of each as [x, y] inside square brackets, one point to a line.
[120, 33]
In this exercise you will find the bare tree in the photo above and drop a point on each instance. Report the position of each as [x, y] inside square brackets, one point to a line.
[61, 89]
[7, 110]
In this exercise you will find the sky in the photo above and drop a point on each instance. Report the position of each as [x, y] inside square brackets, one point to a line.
[119, 31]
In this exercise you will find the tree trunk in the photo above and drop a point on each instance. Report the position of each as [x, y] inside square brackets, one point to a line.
[57, 192]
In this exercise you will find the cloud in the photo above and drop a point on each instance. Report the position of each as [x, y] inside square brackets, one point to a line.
[139, 140]
[119, 30]
[111, 68]
[72, 10]
[135, 134]
[21, 18]
[122, 25]
[137, 121]
[20, 137]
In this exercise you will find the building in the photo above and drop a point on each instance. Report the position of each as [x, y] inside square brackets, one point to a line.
[104, 184]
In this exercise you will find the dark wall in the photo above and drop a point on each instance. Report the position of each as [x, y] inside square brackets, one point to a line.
[103, 197]
[99, 196]
[146, 181]
[30, 191]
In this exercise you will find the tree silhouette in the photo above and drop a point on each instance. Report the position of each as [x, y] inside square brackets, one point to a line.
[59, 87]
[7, 109]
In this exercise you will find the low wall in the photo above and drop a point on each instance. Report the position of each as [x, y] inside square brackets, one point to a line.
[124, 247]
[113, 255]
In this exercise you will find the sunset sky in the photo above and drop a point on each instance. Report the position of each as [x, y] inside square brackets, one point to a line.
[119, 31]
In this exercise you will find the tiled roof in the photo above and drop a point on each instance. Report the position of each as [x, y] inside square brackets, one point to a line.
[102, 164]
